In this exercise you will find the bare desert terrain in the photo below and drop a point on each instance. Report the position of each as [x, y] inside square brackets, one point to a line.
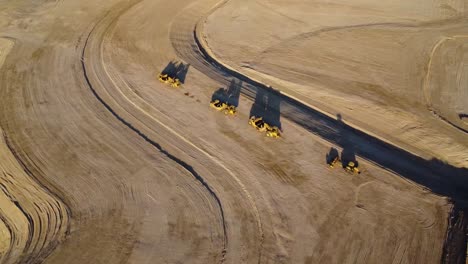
[102, 163]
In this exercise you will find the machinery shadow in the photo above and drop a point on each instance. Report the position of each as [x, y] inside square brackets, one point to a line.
[230, 94]
[177, 70]
[267, 104]
[348, 154]
[331, 155]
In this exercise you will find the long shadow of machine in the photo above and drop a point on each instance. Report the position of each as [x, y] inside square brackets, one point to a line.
[176, 70]
[267, 104]
[258, 107]
[348, 154]
[233, 92]
[332, 155]
[230, 95]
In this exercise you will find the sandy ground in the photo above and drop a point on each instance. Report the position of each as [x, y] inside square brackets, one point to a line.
[104, 164]
[393, 68]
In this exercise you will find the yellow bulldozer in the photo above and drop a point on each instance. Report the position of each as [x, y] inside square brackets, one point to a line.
[223, 106]
[171, 80]
[262, 126]
[351, 167]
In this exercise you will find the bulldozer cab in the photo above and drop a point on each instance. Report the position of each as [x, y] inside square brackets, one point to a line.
[218, 104]
[259, 124]
[352, 167]
[262, 126]
[163, 77]
[175, 83]
[231, 110]
[273, 132]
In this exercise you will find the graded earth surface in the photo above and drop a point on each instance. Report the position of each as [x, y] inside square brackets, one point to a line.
[100, 162]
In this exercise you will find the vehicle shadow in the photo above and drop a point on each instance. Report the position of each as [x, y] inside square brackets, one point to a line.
[233, 92]
[230, 94]
[177, 69]
[258, 107]
[267, 104]
[348, 154]
[331, 155]
[463, 116]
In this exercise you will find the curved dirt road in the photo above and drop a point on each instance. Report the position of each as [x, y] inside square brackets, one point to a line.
[117, 186]
[150, 175]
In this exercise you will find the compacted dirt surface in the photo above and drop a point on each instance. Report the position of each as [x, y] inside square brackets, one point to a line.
[395, 68]
[102, 163]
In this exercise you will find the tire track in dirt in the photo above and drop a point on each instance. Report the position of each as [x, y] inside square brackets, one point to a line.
[217, 162]
[125, 95]
[425, 85]
[430, 174]
[33, 219]
[111, 20]
[105, 172]
[36, 219]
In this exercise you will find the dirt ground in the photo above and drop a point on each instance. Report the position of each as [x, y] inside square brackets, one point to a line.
[102, 163]
[393, 68]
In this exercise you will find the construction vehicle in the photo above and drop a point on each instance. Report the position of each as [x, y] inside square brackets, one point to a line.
[258, 123]
[223, 106]
[334, 161]
[171, 80]
[351, 167]
[262, 126]
[273, 132]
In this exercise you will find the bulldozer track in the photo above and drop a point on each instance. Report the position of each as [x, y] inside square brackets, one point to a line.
[172, 157]
[186, 166]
